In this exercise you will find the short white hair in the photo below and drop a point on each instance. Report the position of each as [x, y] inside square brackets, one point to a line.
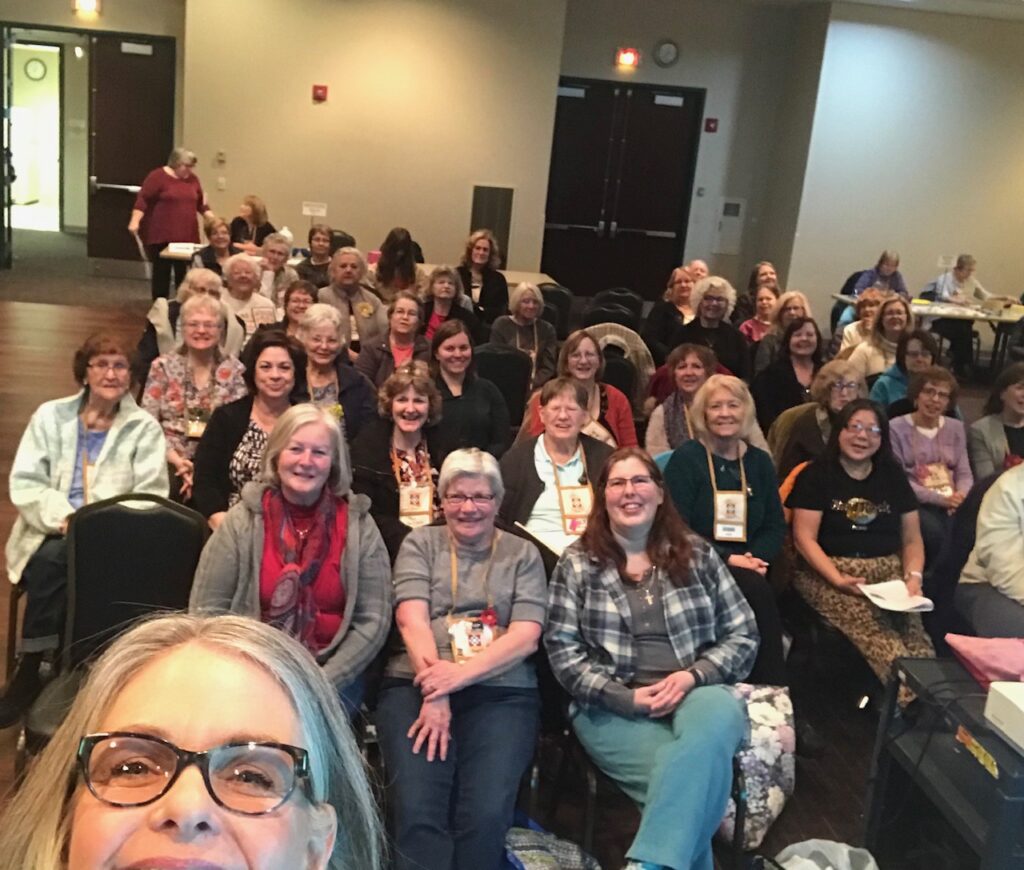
[318, 314]
[713, 282]
[471, 462]
[734, 387]
[236, 260]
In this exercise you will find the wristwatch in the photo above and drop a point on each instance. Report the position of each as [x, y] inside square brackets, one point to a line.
[698, 678]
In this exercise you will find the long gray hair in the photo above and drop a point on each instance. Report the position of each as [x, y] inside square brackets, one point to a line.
[36, 828]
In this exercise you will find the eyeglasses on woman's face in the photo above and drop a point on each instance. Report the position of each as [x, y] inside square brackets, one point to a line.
[844, 387]
[857, 428]
[127, 769]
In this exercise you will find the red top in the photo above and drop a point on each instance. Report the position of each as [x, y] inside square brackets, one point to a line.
[618, 417]
[329, 588]
[401, 355]
[435, 321]
[170, 205]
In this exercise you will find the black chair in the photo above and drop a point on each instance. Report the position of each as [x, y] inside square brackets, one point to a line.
[612, 314]
[620, 296]
[550, 314]
[621, 374]
[128, 556]
[845, 290]
[941, 580]
[561, 298]
[510, 371]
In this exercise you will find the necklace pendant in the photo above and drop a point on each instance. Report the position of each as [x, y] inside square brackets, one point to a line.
[649, 598]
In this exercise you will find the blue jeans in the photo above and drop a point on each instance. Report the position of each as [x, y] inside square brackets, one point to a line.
[454, 814]
[678, 769]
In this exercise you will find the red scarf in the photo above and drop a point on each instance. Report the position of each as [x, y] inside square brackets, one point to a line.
[292, 605]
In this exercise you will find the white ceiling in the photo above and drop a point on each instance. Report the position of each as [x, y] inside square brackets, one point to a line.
[1006, 9]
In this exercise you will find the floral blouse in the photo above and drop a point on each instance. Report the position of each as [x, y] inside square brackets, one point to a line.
[174, 400]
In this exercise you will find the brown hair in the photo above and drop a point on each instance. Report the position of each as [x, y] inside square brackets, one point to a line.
[932, 375]
[100, 343]
[264, 339]
[668, 543]
[557, 386]
[445, 272]
[1004, 380]
[878, 330]
[412, 374]
[705, 354]
[211, 223]
[408, 296]
[321, 229]
[572, 343]
[871, 296]
[493, 261]
[397, 258]
[449, 329]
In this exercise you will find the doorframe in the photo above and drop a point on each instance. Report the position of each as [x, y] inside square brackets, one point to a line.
[700, 95]
[7, 256]
[61, 59]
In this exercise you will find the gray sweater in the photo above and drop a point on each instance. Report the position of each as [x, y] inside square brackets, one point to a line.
[228, 580]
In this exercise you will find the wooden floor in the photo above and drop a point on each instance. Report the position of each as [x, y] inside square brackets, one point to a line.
[36, 345]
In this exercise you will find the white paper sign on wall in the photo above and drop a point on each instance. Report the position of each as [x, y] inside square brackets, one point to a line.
[314, 209]
[946, 262]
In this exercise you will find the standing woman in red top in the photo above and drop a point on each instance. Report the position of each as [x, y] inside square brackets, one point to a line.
[165, 211]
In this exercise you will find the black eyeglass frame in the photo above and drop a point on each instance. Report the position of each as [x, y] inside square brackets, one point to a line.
[185, 758]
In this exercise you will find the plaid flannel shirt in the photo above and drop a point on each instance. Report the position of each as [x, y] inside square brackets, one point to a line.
[589, 637]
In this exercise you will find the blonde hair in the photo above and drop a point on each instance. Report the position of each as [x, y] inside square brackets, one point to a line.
[493, 261]
[737, 389]
[187, 288]
[36, 825]
[837, 370]
[339, 479]
[784, 300]
[877, 335]
[670, 292]
[520, 292]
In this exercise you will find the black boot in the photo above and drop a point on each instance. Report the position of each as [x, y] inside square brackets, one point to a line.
[22, 690]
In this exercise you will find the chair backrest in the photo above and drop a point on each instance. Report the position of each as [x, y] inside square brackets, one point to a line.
[550, 314]
[621, 374]
[620, 296]
[561, 298]
[127, 556]
[850, 283]
[509, 370]
[611, 314]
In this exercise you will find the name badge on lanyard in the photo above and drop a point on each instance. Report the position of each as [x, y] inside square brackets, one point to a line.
[730, 507]
[574, 502]
[415, 497]
[416, 504]
[471, 633]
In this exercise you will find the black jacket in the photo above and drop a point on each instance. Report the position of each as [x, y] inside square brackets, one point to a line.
[373, 475]
[493, 294]
[478, 333]
[208, 257]
[523, 486]
[660, 328]
[477, 418]
[776, 389]
[211, 488]
[730, 347]
[357, 397]
[376, 362]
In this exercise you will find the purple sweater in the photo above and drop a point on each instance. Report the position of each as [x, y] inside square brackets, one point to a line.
[949, 447]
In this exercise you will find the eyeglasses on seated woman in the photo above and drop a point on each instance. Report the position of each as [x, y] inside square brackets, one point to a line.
[279, 781]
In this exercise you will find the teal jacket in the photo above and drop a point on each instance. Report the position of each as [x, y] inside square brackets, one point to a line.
[890, 387]
[689, 485]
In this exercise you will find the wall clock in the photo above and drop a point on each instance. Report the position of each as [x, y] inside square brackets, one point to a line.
[666, 53]
[35, 69]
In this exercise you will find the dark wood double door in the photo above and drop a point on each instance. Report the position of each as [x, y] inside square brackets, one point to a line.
[621, 178]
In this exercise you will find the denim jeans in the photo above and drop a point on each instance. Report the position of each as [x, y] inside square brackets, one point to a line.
[454, 814]
[678, 769]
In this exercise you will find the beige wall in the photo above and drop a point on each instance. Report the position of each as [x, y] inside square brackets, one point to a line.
[916, 146]
[740, 53]
[427, 98]
[149, 17]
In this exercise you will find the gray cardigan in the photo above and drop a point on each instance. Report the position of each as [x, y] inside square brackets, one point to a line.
[228, 580]
[986, 445]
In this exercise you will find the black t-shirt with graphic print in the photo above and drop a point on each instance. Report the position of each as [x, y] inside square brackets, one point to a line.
[858, 517]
